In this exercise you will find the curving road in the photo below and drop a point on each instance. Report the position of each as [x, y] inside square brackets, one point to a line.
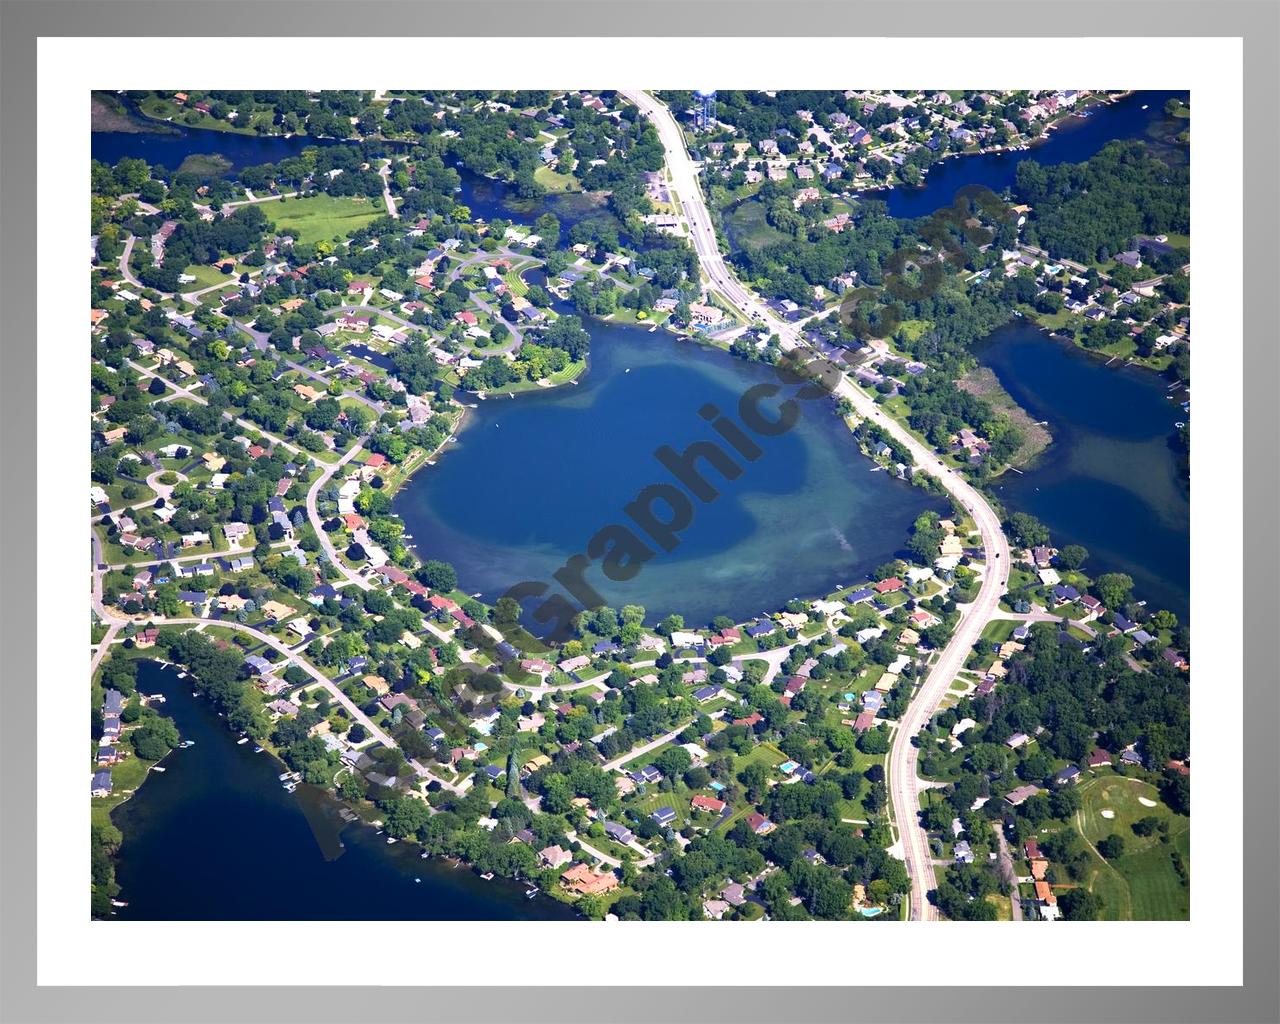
[114, 622]
[317, 520]
[904, 783]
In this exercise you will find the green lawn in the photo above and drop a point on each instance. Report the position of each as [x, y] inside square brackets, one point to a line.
[998, 630]
[515, 283]
[126, 777]
[554, 181]
[1141, 884]
[205, 276]
[748, 229]
[321, 218]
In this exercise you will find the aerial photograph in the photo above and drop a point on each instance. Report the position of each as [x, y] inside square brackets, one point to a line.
[707, 505]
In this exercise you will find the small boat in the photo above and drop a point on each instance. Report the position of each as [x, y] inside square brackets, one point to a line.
[242, 740]
[156, 698]
[257, 749]
[627, 370]
[487, 876]
[182, 675]
[530, 893]
[156, 768]
[653, 328]
[119, 903]
[289, 787]
[194, 694]
[1144, 106]
[390, 840]
[418, 880]
[425, 855]
[285, 776]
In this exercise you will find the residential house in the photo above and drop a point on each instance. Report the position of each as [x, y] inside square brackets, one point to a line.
[647, 774]
[1019, 796]
[553, 857]
[1069, 775]
[100, 785]
[663, 816]
[619, 832]
[583, 881]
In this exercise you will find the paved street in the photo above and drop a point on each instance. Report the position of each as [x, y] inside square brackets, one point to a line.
[904, 783]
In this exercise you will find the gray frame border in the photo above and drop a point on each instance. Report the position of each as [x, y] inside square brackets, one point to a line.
[1256, 21]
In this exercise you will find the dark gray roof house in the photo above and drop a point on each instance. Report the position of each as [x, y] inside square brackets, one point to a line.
[664, 815]
[1068, 774]
[646, 774]
[618, 831]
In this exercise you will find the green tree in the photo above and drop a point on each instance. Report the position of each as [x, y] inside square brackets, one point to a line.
[1112, 846]
[439, 576]
[1080, 904]
[154, 738]
[1114, 588]
[1073, 556]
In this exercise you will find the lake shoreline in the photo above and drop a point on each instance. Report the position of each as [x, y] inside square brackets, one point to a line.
[324, 822]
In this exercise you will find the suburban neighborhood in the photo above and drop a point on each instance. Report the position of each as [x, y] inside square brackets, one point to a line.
[991, 724]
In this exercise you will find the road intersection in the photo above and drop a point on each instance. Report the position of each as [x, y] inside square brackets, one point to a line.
[904, 782]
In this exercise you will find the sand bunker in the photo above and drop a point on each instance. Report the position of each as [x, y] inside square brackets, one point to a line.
[1146, 802]
[1108, 813]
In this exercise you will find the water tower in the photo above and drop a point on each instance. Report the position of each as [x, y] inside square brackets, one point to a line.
[705, 114]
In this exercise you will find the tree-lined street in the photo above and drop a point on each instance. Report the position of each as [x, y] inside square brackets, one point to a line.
[904, 782]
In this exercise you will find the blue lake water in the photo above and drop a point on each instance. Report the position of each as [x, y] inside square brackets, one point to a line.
[1111, 480]
[214, 837]
[531, 479]
[169, 149]
[168, 145]
[1139, 115]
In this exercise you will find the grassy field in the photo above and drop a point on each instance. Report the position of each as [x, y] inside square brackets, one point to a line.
[1142, 884]
[554, 181]
[981, 381]
[205, 276]
[998, 630]
[747, 228]
[126, 777]
[321, 218]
